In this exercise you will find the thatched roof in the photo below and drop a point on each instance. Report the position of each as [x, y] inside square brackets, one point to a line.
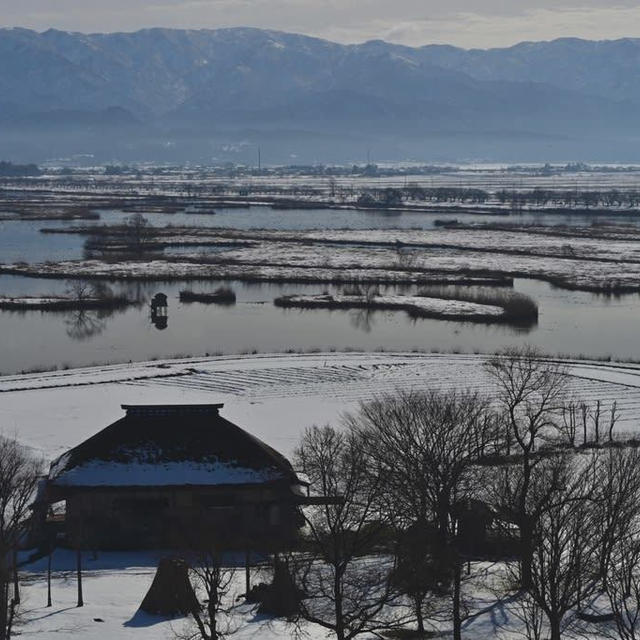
[171, 445]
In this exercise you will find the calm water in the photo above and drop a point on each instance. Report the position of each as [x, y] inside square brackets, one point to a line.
[570, 322]
[22, 241]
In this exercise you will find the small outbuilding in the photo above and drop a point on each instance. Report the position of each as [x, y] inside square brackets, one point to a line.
[176, 476]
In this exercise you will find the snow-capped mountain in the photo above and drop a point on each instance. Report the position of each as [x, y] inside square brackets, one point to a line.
[204, 81]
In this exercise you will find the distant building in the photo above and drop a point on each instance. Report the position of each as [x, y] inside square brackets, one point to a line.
[174, 476]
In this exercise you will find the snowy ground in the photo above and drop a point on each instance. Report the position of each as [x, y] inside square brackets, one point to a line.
[427, 306]
[388, 255]
[586, 242]
[114, 585]
[273, 397]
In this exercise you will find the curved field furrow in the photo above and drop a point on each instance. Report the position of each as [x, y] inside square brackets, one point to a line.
[365, 381]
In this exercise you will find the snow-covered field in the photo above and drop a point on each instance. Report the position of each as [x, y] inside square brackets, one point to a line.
[272, 396]
[386, 255]
[625, 248]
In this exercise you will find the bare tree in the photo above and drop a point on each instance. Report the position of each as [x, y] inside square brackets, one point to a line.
[367, 290]
[79, 290]
[614, 416]
[531, 617]
[83, 290]
[346, 584]
[138, 231]
[623, 586]
[213, 583]
[569, 424]
[332, 187]
[406, 257]
[530, 395]
[596, 412]
[19, 473]
[564, 566]
[425, 445]
[618, 490]
[585, 414]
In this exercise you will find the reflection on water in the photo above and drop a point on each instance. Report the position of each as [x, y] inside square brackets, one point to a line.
[362, 319]
[83, 324]
[569, 322]
[159, 311]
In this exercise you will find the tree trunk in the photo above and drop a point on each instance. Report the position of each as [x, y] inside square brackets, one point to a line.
[213, 622]
[554, 628]
[16, 585]
[337, 592]
[457, 618]
[419, 616]
[526, 555]
[10, 618]
[4, 597]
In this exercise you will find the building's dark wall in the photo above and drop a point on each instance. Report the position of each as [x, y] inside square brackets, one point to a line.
[231, 518]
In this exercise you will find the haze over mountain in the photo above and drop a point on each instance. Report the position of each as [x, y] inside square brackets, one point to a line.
[212, 95]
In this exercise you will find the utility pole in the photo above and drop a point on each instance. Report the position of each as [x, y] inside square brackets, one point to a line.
[259, 160]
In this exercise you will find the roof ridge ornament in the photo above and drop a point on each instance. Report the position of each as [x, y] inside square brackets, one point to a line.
[165, 409]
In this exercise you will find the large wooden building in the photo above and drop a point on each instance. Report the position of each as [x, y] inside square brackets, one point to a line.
[176, 476]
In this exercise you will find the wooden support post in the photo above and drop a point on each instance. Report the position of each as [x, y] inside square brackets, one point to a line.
[49, 579]
[79, 572]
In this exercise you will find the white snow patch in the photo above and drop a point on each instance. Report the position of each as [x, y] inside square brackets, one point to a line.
[422, 303]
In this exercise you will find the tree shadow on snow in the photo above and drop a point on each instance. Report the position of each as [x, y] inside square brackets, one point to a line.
[49, 614]
[143, 619]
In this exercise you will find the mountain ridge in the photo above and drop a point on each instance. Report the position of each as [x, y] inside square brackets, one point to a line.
[210, 80]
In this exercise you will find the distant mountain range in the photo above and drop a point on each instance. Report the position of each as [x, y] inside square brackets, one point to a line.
[216, 94]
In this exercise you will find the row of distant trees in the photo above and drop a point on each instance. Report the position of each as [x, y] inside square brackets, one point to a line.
[423, 490]
[538, 197]
[391, 196]
[570, 198]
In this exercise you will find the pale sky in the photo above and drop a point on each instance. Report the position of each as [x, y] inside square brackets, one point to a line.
[467, 23]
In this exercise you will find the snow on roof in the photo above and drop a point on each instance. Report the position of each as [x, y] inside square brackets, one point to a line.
[170, 445]
[137, 474]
